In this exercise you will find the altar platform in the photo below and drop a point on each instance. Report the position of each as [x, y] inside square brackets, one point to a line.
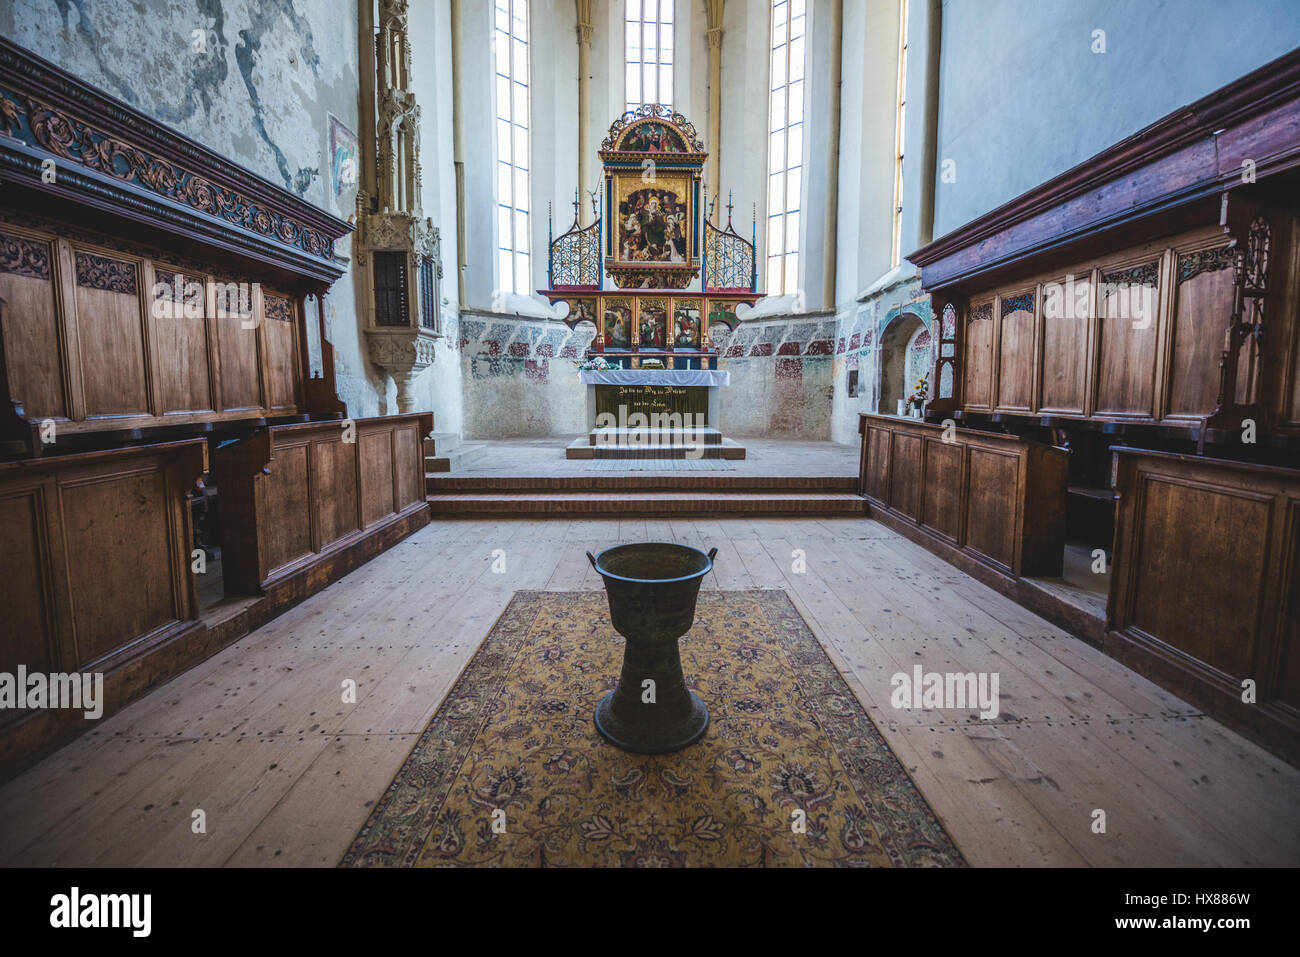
[671, 414]
[526, 477]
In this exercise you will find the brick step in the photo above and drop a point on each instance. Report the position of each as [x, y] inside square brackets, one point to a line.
[640, 481]
[648, 503]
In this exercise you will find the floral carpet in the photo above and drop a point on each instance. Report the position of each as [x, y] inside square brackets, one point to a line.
[791, 772]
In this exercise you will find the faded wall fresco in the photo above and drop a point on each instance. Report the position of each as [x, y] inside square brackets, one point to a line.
[521, 376]
[253, 80]
[780, 377]
[858, 337]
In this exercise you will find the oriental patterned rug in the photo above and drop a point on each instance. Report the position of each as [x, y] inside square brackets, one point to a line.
[511, 772]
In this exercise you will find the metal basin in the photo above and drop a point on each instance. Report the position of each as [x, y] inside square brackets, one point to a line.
[652, 588]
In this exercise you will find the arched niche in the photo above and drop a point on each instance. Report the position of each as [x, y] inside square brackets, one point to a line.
[903, 356]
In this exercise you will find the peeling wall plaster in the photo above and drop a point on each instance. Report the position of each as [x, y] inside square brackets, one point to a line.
[248, 78]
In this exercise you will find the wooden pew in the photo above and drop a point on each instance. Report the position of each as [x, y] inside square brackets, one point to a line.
[294, 498]
[1206, 589]
[996, 501]
[95, 554]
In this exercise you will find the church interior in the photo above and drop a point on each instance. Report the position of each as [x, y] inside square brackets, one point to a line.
[650, 433]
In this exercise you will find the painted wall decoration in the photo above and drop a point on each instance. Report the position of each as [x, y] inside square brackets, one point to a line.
[345, 157]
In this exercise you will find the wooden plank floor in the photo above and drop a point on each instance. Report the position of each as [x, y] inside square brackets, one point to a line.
[258, 737]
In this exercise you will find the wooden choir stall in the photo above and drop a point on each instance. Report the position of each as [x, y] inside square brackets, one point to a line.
[1114, 433]
[175, 465]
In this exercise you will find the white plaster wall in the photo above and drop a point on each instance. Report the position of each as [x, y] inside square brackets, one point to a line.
[1025, 98]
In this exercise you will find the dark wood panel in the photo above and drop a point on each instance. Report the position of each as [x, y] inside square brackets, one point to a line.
[179, 332]
[240, 373]
[905, 475]
[282, 354]
[997, 498]
[376, 452]
[1016, 353]
[1188, 536]
[31, 332]
[28, 629]
[408, 457]
[1203, 585]
[333, 487]
[941, 507]
[991, 505]
[977, 367]
[1288, 672]
[111, 345]
[284, 509]
[1201, 312]
[1126, 354]
[118, 523]
[876, 477]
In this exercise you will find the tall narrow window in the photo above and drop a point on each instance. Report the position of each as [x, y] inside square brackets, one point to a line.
[785, 146]
[897, 251]
[512, 145]
[648, 52]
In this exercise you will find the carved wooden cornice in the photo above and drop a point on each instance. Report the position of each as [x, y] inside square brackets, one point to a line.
[111, 157]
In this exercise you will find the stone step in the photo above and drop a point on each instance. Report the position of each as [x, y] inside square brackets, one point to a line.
[707, 482]
[461, 457]
[653, 438]
[728, 449]
[577, 503]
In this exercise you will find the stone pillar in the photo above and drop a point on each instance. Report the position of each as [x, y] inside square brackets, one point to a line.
[832, 157]
[713, 12]
[586, 27]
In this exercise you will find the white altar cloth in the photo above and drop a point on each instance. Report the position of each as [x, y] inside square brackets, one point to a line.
[677, 377]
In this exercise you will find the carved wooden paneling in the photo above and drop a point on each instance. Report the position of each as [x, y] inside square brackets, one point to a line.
[998, 499]
[1066, 306]
[104, 339]
[1202, 309]
[1016, 352]
[95, 552]
[239, 357]
[1128, 301]
[110, 334]
[301, 492]
[977, 368]
[942, 505]
[179, 332]
[283, 363]
[377, 469]
[1203, 583]
[284, 506]
[25, 568]
[31, 332]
